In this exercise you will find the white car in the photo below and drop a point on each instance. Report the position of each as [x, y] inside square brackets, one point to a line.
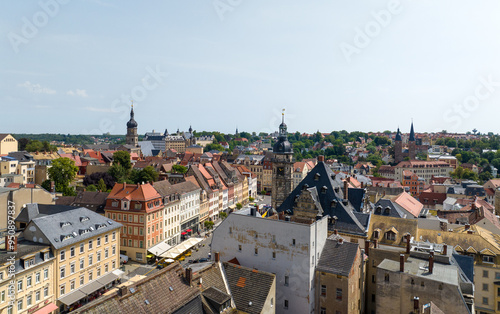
[123, 259]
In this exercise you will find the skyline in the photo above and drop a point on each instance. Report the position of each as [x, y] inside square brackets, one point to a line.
[216, 66]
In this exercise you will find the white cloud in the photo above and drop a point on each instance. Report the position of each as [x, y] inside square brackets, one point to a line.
[78, 92]
[99, 109]
[37, 88]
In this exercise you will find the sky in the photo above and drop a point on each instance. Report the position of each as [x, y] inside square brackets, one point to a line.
[74, 66]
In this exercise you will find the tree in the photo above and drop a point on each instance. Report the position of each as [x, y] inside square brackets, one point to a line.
[179, 169]
[91, 188]
[209, 224]
[251, 199]
[96, 177]
[223, 215]
[238, 205]
[34, 146]
[46, 185]
[148, 174]
[101, 186]
[62, 172]
[123, 159]
[120, 170]
[22, 142]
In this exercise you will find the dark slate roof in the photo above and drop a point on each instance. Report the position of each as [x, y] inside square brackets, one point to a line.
[321, 175]
[95, 201]
[337, 258]
[155, 288]
[412, 133]
[32, 211]
[398, 135]
[51, 226]
[356, 197]
[24, 247]
[21, 156]
[466, 264]
[216, 295]
[248, 285]
[394, 211]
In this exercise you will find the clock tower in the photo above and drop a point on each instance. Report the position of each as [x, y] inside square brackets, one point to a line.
[282, 162]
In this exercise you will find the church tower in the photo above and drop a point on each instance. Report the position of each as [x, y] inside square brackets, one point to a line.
[282, 162]
[398, 148]
[132, 138]
[412, 145]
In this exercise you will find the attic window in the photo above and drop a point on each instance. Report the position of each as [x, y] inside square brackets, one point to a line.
[84, 218]
[387, 210]
[66, 237]
[100, 226]
[324, 189]
[65, 224]
[84, 231]
[316, 177]
[378, 210]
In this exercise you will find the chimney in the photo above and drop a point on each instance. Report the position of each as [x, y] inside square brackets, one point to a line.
[189, 276]
[445, 249]
[335, 231]
[375, 243]
[11, 243]
[321, 158]
[346, 189]
[340, 240]
[123, 290]
[401, 263]
[124, 185]
[367, 247]
[217, 257]
[415, 304]
[431, 262]
[467, 226]
[408, 243]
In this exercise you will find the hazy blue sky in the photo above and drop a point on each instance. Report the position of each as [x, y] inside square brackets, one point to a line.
[354, 65]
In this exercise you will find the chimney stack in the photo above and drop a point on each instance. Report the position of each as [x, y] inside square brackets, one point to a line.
[340, 240]
[408, 243]
[335, 231]
[217, 257]
[445, 249]
[431, 262]
[401, 263]
[367, 247]
[189, 276]
[415, 304]
[467, 226]
[375, 243]
[346, 189]
[123, 290]
[321, 158]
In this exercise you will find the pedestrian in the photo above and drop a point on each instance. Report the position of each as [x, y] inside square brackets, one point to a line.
[209, 255]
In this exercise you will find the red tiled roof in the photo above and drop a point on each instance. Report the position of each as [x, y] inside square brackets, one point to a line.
[136, 192]
[409, 203]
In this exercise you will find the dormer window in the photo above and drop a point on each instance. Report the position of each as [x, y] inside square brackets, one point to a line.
[114, 204]
[84, 218]
[387, 210]
[65, 224]
[316, 177]
[84, 231]
[66, 237]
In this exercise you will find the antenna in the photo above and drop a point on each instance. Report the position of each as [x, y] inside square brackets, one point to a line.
[283, 115]
[132, 101]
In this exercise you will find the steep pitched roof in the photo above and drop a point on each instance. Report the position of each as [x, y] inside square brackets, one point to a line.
[331, 199]
[248, 286]
[394, 211]
[409, 203]
[338, 258]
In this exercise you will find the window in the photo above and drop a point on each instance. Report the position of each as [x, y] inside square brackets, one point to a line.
[72, 268]
[293, 242]
[46, 274]
[287, 279]
[141, 244]
[28, 281]
[28, 300]
[387, 277]
[98, 256]
[106, 268]
[129, 242]
[90, 259]
[99, 241]
[90, 275]
[485, 274]
[323, 310]
[62, 289]
[106, 239]
[497, 275]
[339, 294]
[485, 287]
[323, 290]
[82, 280]
[63, 272]
[285, 304]
[37, 296]
[106, 252]
[256, 251]
[20, 305]
[72, 285]
[98, 271]
[114, 264]
[488, 259]
[72, 252]
[45, 292]
[485, 301]
[82, 263]
[114, 235]
[274, 255]
[256, 235]
[90, 244]
[113, 249]
[63, 255]
[19, 285]
[391, 236]
[2, 297]
[82, 248]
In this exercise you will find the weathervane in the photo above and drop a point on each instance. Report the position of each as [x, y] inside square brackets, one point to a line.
[283, 115]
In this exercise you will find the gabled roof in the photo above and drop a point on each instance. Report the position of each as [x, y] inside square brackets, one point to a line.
[409, 203]
[248, 286]
[394, 211]
[338, 258]
[331, 199]
[68, 227]
[133, 192]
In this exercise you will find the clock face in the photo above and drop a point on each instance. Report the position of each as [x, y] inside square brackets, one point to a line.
[281, 170]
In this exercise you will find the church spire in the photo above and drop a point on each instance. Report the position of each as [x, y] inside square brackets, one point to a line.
[412, 133]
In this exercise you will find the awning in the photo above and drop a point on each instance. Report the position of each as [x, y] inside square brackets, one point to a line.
[118, 272]
[150, 255]
[72, 297]
[160, 248]
[107, 279]
[181, 248]
[91, 287]
[47, 309]
[189, 230]
[184, 233]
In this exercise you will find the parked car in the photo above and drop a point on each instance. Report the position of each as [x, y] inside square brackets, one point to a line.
[123, 259]
[203, 260]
